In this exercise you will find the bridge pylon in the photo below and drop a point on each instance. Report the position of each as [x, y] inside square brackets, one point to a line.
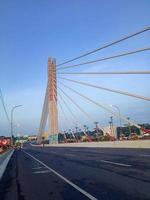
[52, 101]
[49, 112]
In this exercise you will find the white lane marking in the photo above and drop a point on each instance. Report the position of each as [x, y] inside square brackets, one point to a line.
[54, 152]
[69, 154]
[41, 172]
[144, 155]
[63, 178]
[38, 167]
[115, 163]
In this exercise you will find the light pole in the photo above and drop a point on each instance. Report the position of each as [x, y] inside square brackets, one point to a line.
[96, 127]
[120, 123]
[128, 118]
[110, 127]
[69, 131]
[12, 112]
[111, 120]
[76, 132]
[85, 129]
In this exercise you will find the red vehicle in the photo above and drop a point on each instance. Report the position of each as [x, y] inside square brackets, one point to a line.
[5, 143]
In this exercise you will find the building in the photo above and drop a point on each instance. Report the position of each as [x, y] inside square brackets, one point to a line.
[111, 130]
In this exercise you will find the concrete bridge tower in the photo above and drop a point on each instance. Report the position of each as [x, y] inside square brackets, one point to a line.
[52, 101]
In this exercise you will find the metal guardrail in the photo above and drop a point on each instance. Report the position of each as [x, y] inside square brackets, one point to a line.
[4, 159]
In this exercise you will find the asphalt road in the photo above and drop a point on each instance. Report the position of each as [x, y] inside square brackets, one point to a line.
[36, 173]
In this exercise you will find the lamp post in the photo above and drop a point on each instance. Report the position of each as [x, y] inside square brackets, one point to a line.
[85, 129]
[128, 118]
[12, 112]
[76, 132]
[76, 129]
[112, 125]
[120, 123]
[96, 127]
[70, 135]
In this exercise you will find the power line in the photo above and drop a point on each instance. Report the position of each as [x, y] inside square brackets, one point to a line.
[64, 114]
[101, 106]
[72, 114]
[80, 108]
[107, 73]
[110, 90]
[68, 108]
[4, 107]
[107, 45]
[74, 117]
[65, 117]
[107, 58]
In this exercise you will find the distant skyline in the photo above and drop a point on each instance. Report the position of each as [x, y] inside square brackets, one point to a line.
[33, 30]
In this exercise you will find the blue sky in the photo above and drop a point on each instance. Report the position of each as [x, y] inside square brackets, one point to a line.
[33, 30]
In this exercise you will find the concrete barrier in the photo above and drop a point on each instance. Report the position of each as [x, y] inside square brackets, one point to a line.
[4, 159]
[115, 144]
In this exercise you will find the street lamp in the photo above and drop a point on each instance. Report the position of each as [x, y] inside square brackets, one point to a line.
[85, 129]
[110, 127]
[76, 129]
[128, 118]
[96, 126]
[12, 112]
[111, 120]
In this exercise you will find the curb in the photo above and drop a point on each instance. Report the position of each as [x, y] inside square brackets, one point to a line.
[5, 163]
[141, 144]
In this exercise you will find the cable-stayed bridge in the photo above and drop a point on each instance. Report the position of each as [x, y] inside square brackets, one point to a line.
[57, 91]
[118, 172]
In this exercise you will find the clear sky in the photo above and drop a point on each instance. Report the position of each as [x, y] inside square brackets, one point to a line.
[33, 30]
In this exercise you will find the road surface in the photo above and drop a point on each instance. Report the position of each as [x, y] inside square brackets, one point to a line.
[36, 173]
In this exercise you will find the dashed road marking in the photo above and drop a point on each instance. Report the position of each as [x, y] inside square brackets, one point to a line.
[38, 167]
[41, 172]
[63, 178]
[69, 154]
[116, 163]
[144, 155]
